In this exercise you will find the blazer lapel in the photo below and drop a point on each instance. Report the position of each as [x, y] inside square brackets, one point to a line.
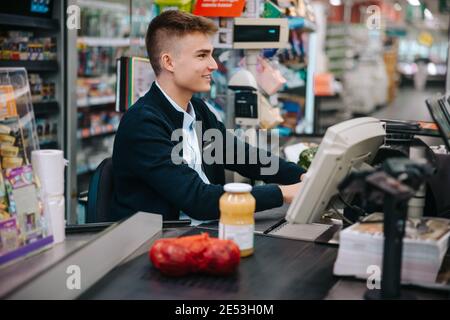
[158, 99]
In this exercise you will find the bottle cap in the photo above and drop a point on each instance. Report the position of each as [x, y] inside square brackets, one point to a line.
[237, 187]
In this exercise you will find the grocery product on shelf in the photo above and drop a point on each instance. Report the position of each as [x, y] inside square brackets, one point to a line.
[41, 89]
[95, 91]
[97, 61]
[98, 123]
[338, 49]
[47, 130]
[390, 60]
[104, 23]
[20, 45]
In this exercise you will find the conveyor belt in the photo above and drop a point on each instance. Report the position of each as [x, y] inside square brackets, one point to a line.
[279, 269]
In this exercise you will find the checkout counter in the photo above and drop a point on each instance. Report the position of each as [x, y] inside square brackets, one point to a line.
[120, 268]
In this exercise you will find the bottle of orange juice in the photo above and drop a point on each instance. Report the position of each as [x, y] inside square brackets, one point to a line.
[237, 221]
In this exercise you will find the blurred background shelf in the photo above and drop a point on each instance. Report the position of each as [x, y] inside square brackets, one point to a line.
[301, 23]
[49, 144]
[31, 65]
[99, 132]
[45, 107]
[28, 22]
[95, 101]
[103, 42]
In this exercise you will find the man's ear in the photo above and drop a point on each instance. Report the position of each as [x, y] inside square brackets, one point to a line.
[167, 62]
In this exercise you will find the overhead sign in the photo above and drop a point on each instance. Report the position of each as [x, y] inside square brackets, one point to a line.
[219, 8]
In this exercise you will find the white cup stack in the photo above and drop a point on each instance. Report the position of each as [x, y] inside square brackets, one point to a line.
[49, 166]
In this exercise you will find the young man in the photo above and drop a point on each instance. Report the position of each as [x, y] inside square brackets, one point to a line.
[146, 177]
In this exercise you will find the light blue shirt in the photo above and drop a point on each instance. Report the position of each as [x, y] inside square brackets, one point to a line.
[191, 149]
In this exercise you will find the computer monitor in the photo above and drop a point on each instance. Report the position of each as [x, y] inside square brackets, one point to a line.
[134, 76]
[260, 33]
[345, 147]
[445, 105]
[439, 111]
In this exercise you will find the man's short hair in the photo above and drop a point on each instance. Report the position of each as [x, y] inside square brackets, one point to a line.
[169, 24]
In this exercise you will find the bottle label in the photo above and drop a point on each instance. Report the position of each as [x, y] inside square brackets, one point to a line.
[241, 234]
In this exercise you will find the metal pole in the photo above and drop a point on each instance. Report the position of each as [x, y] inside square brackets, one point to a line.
[394, 229]
[71, 120]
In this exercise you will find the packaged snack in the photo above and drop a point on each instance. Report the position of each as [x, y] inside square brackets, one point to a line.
[8, 107]
[5, 138]
[4, 129]
[25, 204]
[4, 215]
[8, 150]
[9, 236]
[11, 162]
[3, 197]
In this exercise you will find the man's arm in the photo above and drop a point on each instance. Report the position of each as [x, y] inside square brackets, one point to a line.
[284, 172]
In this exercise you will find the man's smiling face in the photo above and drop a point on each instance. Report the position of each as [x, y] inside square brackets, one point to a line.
[193, 62]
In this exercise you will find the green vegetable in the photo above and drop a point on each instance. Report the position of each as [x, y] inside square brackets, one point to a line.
[306, 157]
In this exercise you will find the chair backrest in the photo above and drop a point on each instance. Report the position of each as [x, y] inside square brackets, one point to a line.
[100, 193]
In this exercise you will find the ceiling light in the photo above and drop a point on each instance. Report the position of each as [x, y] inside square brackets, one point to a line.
[335, 2]
[414, 2]
[428, 14]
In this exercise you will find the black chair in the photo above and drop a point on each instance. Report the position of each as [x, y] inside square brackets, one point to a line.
[98, 202]
[100, 193]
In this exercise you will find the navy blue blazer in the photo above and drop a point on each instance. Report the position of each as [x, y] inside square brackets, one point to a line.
[146, 179]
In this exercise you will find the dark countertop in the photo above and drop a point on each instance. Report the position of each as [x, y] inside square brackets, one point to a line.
[279, 269]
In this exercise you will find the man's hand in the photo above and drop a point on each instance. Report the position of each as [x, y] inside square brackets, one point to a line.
[289, 192]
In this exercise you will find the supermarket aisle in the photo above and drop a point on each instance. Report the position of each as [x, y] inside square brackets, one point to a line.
[409, 105]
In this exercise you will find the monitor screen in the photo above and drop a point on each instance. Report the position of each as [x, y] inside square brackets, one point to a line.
[257, 34]
[260, 33]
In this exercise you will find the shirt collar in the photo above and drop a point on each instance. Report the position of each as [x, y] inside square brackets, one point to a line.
[190, 110]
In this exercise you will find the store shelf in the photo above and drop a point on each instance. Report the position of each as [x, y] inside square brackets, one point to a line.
[301, 23]
[95, 101]
[28, 22]
[102, 131]
[103, 42]
[110, 42]
[103, 5]
[48, 145]
[300, 91]
[31, 65]
[295, 65]
[137, 42]
[45, 108]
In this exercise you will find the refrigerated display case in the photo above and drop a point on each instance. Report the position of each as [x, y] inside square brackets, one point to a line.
[32, 36]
